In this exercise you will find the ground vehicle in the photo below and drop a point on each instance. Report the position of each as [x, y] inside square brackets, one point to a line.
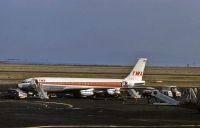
[17, 93]
[155, 97]
[171, 91]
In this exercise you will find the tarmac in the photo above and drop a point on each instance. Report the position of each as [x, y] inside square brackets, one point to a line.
[86, 112]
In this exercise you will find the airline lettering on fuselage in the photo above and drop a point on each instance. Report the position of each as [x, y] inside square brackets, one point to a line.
[40, 81]
[137, 73]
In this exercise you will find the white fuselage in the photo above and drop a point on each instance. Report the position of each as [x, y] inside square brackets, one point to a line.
[59, 84]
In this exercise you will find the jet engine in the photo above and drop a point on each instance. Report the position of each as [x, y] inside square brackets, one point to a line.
[113, 91]
[87, 92]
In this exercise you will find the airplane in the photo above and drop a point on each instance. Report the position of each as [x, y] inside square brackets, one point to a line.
[86, 86]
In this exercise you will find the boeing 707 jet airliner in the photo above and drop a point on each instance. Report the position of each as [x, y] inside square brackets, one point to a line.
[85, 86]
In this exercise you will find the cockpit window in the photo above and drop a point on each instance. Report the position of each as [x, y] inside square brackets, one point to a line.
[24, 81]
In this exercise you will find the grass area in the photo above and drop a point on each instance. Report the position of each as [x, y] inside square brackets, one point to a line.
[180, 76]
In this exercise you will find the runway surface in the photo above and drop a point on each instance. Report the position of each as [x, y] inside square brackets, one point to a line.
[68, 112]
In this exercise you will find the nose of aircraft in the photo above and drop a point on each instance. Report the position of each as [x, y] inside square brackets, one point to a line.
[20, 85]
[23, 85]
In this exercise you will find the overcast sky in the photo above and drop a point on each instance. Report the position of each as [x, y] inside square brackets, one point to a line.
[167, 32]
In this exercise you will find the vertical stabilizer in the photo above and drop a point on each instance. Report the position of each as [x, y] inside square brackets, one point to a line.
[137, 72]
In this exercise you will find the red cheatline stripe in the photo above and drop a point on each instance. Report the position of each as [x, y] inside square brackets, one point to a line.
[109, 84]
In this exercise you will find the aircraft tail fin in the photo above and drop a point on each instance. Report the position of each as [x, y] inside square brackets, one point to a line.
[137, 72]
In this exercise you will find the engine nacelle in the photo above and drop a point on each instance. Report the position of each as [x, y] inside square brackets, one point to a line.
[87, 92]
[113, 91]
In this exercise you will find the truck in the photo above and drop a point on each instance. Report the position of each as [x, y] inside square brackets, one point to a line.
[17, 93]
[171, 91]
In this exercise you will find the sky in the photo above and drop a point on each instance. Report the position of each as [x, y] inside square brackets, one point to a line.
[167, 32]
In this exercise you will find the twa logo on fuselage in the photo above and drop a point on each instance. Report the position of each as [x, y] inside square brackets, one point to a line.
[137, 73]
